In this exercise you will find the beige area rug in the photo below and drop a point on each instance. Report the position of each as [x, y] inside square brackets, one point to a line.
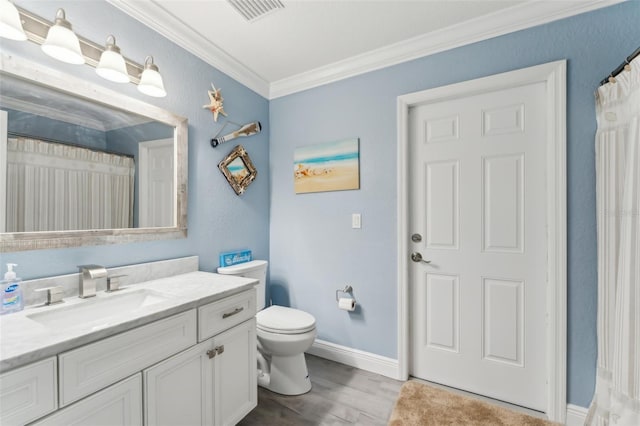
[423, 405]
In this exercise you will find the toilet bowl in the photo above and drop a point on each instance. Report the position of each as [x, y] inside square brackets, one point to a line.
[284, 334]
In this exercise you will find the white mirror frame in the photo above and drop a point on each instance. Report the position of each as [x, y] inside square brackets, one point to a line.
[19, 241]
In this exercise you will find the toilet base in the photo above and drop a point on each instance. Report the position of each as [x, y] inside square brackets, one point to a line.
[288, 375]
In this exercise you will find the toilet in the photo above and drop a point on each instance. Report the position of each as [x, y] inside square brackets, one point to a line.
[284, 334]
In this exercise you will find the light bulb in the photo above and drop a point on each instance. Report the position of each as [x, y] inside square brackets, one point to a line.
[151, 81]
[10, 23]
[112, 66]
[62, 43]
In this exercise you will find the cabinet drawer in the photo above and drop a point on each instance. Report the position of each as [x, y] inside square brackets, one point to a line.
[117, 405]
[97, 365]
[224, 314]
[28, 393]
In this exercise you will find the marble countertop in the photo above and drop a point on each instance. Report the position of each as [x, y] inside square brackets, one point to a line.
[24, 340]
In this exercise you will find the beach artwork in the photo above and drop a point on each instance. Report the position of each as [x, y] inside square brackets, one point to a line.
[238, 169]
[329, 166]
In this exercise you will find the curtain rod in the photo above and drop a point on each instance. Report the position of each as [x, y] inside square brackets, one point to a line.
[618, 70]
[57, 141]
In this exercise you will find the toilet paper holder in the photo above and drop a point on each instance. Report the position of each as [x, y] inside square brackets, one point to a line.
[347, 290]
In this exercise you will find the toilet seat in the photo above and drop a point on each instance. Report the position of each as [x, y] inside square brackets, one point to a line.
[283, 320]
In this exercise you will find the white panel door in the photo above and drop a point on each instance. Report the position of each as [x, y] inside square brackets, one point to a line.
[478, 202]
[156, 184]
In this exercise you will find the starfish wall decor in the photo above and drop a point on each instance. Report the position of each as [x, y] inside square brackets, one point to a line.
[215, 102]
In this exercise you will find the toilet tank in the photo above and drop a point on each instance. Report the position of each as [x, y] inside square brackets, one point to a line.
[255, 269]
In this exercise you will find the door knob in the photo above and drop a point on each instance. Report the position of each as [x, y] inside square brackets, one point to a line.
[211, 353]
[417, 257]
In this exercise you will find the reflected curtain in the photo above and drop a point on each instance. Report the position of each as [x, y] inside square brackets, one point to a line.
[617, 396]
[57, 187]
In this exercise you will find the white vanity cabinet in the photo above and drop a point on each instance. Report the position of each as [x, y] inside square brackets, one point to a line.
[197, 367]
[212, 383]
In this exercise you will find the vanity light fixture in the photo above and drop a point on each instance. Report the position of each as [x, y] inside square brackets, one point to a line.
[111, 65]
[58, 40]
[10, 23]
[151, 80]
[61, 42]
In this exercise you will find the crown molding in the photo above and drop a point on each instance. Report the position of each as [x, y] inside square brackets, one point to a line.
[519, 17]
[516, 18]
[154, 16]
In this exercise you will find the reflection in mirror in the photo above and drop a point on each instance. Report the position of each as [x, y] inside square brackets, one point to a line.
[238, 169]
[71, 162]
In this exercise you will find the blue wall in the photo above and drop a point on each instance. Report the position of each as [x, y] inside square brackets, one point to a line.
[218, 220]
[313, 248]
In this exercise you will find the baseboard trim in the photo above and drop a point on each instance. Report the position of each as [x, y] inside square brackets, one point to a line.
[356, 358]
[576, 415]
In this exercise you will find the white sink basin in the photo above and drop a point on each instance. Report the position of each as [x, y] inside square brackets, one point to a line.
[98, 312]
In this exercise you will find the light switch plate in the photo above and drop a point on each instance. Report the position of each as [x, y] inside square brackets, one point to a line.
[356, 221]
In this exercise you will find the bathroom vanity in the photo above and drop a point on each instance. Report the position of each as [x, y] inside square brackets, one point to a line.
[174, 350]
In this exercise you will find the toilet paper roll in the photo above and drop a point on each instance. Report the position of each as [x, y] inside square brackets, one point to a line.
[347, 304]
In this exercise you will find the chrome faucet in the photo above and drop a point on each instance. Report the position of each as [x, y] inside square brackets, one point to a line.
[90, 275]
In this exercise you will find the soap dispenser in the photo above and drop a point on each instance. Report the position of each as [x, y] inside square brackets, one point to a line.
[11, 297]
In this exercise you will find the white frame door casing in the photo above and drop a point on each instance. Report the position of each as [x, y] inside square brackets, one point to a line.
[4, 127]
[143, 178]
[554, 76]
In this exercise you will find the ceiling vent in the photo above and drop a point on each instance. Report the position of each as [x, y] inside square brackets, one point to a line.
[252, 10]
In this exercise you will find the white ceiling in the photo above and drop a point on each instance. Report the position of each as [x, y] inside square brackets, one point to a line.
[313, 42]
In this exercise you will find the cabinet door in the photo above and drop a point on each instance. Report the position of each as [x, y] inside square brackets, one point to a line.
[236, 387]
[179, 390]
[28, 393]
[117, 405]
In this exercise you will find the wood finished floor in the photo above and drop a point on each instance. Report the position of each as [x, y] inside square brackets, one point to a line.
[340, 395]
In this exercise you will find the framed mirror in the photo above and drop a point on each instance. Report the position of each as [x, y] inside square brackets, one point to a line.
[238, 169]
[81, 164]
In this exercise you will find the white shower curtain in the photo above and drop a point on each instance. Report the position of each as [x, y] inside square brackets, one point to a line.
[57, 187]
[617, 396]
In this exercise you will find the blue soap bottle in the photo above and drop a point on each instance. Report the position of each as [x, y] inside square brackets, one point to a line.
[11, 297]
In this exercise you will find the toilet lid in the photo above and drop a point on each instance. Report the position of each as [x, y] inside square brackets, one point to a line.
[283, 320]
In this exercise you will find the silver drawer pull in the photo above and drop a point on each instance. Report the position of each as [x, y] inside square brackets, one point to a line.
[212, 353]
[219, 349]
[230, 314]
